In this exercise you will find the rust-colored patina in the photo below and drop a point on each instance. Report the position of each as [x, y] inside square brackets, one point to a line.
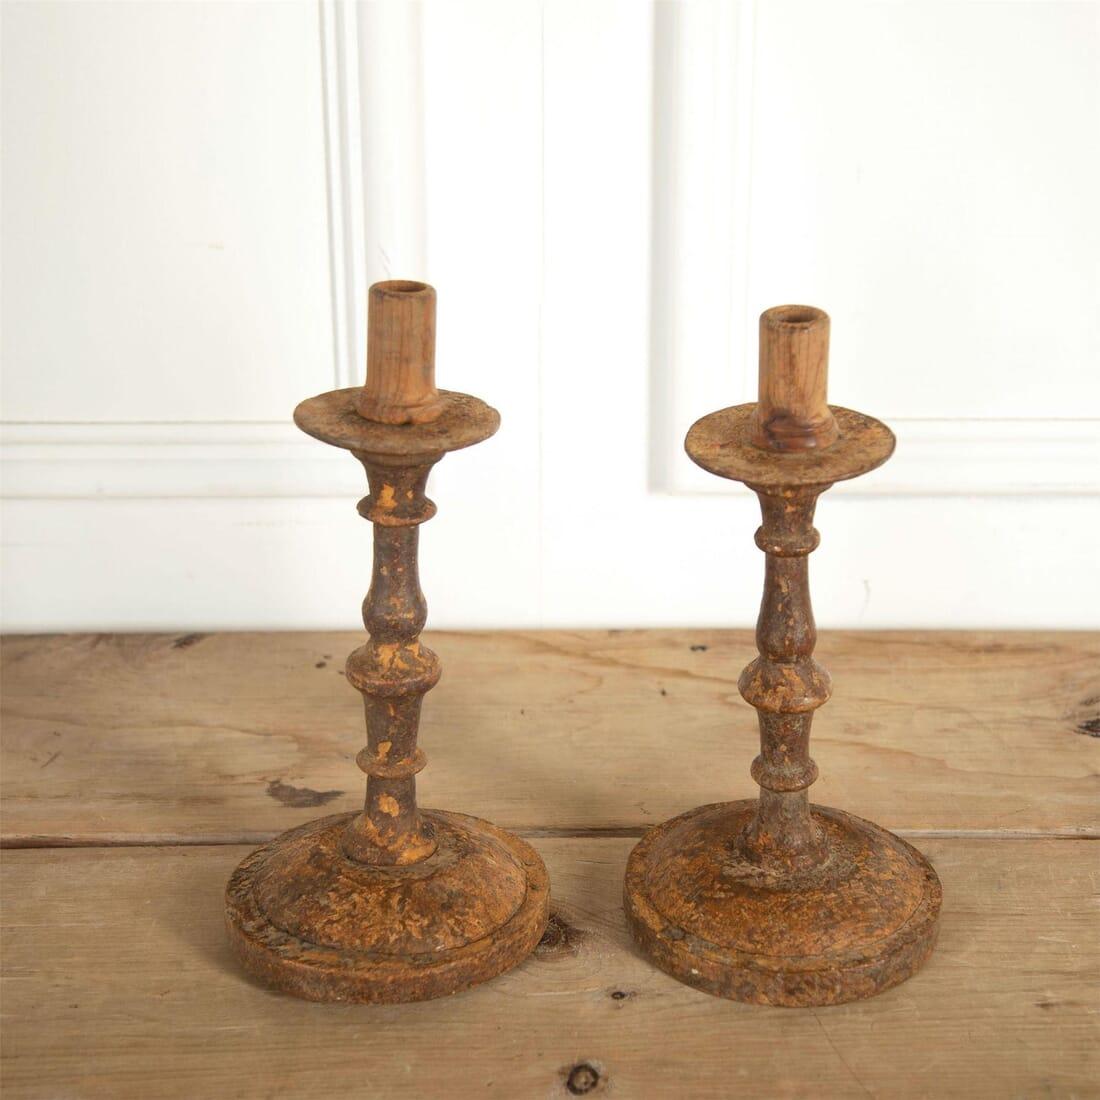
[393, 903]
[776, 901]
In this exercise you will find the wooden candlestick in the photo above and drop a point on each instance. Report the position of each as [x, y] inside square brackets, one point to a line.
[772, 900]
[393, 903]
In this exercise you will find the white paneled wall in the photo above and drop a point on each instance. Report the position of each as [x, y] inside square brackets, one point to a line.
[164, 224]
[605, 194]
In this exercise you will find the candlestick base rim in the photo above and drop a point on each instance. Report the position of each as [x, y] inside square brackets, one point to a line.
[862, 924]
[387, 958]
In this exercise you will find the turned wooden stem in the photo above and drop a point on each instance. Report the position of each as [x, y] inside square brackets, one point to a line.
[393, 670]
[400, 386]
[785, 685]
[791, 412]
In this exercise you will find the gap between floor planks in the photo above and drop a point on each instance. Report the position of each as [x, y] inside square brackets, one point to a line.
[16, 843]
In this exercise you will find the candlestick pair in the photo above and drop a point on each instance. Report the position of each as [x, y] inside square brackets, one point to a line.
[768, 900]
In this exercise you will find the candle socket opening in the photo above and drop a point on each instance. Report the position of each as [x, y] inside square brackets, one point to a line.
[793, 315]
[401, 286]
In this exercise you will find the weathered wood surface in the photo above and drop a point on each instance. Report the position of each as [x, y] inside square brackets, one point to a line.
[118, 980]
[146, 738]
[119, 983]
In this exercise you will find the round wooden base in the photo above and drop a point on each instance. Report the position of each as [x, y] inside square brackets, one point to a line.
[861, 922]
[305, 919]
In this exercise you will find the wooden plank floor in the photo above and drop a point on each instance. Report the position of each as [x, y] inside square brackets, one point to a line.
[160, 755]
[120, 982]
[239, 736]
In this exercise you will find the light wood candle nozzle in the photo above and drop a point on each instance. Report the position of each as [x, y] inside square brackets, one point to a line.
[792, 413]
[400, 386]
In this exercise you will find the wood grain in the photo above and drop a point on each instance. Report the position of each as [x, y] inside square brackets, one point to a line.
[119, 983]
[400, 386]
[792, 411]
[235, 737]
